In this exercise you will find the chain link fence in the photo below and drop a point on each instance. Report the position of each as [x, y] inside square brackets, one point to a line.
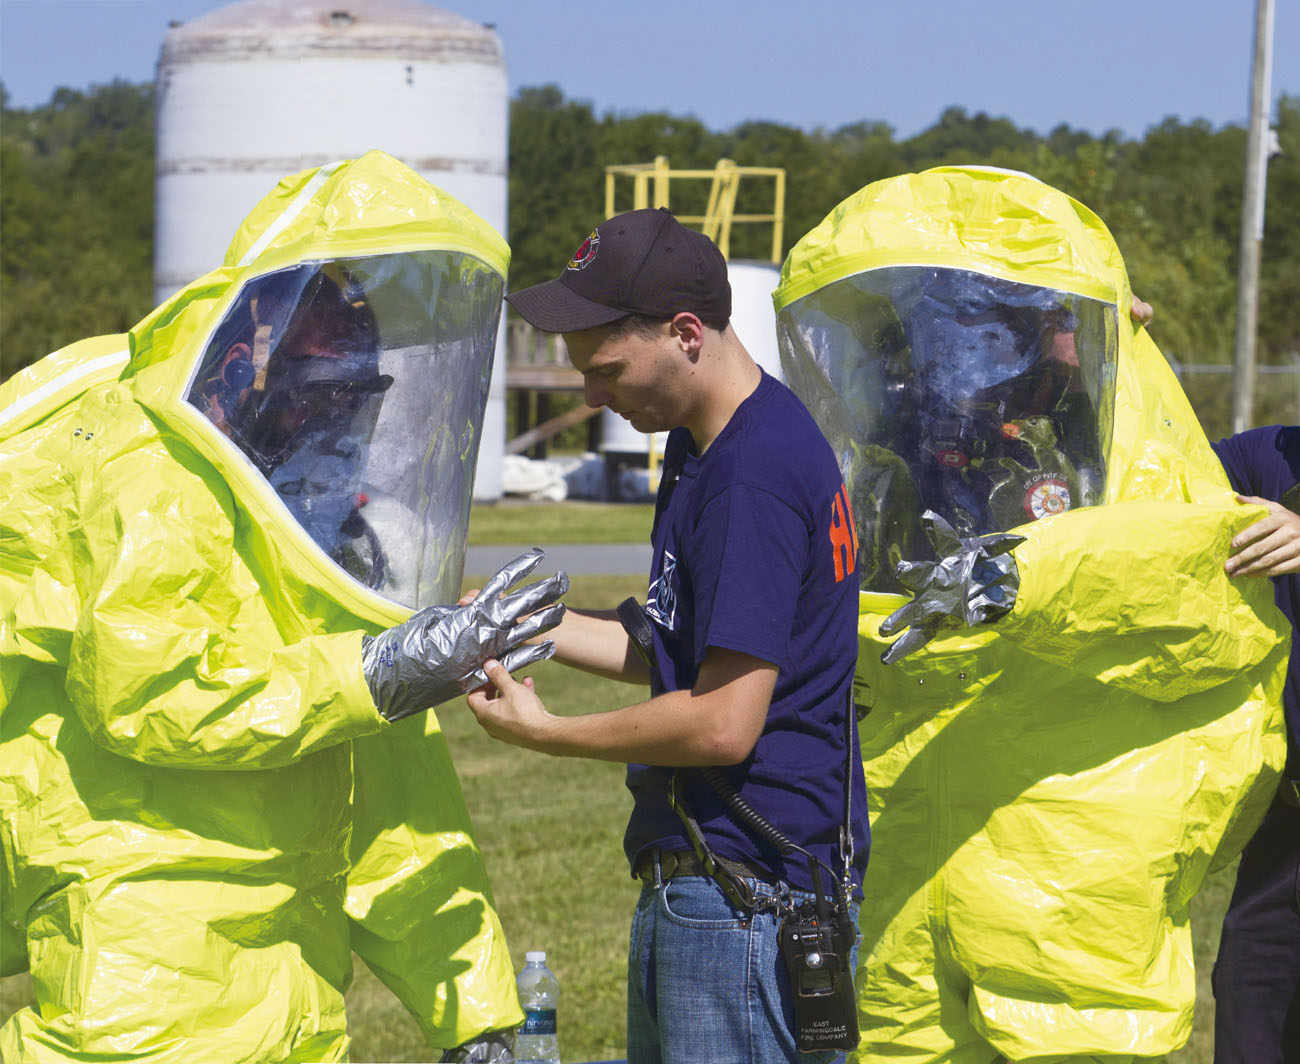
[1209, 389]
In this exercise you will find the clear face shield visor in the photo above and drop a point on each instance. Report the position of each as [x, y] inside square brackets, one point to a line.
[987, 401]
[356, 389]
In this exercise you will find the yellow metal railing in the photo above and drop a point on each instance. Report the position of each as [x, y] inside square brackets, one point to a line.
[650, 188]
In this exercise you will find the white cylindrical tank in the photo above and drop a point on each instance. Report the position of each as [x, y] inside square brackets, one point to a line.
[263, 88]
[752, 314]
[753, 319]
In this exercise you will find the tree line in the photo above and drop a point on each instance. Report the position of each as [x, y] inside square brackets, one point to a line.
[76, 205]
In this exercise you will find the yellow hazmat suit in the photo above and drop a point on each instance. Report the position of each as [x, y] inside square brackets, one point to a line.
[203, 812]
[1050, 789]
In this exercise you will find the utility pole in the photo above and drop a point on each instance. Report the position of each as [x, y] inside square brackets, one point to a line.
[1252, 220]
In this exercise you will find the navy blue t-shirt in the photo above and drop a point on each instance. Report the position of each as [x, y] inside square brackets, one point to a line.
[753, 551]
[1266, 462]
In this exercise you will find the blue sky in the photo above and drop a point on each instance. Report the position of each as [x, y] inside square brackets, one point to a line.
[1108, 64]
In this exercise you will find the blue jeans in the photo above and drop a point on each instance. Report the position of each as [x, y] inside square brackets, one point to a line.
[705, 985]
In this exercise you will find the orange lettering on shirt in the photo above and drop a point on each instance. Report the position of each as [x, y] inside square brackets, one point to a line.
[853, 525]
[844, 537]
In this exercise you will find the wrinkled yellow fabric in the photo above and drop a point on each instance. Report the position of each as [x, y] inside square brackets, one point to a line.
[203, 813]
[1049, 791]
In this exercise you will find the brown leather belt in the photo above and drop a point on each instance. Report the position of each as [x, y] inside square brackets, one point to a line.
[685, 863]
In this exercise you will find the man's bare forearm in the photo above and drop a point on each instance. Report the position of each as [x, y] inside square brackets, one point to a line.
[596, 642]
[717, 722]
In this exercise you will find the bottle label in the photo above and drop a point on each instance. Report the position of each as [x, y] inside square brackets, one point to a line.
[538, 1021]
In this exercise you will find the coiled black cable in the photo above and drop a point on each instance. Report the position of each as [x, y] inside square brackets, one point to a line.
[747, 814]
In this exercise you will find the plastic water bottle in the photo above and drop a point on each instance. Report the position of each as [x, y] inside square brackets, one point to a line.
[535, 1041]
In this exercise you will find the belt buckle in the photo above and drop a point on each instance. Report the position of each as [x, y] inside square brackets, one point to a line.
[662, 861]
[669, 862]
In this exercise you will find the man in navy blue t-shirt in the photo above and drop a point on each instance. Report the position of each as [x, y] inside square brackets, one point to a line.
[752, 611]
[1257, 972]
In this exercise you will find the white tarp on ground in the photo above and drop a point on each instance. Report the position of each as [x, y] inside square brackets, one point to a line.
[573, 477]
[554, 479]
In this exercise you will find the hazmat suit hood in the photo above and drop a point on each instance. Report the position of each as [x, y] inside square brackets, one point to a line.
[1050, 789]
[985, 400]
[204, 518]
[339, 378]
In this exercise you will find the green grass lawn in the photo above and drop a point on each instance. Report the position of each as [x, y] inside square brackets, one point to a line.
[550, 830]
[511, 521]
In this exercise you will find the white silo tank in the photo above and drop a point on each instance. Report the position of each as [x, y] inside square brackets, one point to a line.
[263, 88]
[754, 321]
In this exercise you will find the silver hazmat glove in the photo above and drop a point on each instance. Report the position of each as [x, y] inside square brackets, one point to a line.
[975, 580]
[493, 1047]
[438, 652]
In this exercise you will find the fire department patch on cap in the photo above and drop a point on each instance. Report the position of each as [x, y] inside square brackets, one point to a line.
[1045, 496]
[583, 256]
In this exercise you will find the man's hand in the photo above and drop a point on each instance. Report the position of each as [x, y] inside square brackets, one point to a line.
[717, 722]
[1141, 312]
[1269, 547]
[508, 709]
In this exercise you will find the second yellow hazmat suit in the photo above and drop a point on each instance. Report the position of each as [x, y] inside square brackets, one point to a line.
[1050, 789]
[203, 811]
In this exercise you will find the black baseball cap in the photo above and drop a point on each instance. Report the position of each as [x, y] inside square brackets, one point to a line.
[642, 262]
